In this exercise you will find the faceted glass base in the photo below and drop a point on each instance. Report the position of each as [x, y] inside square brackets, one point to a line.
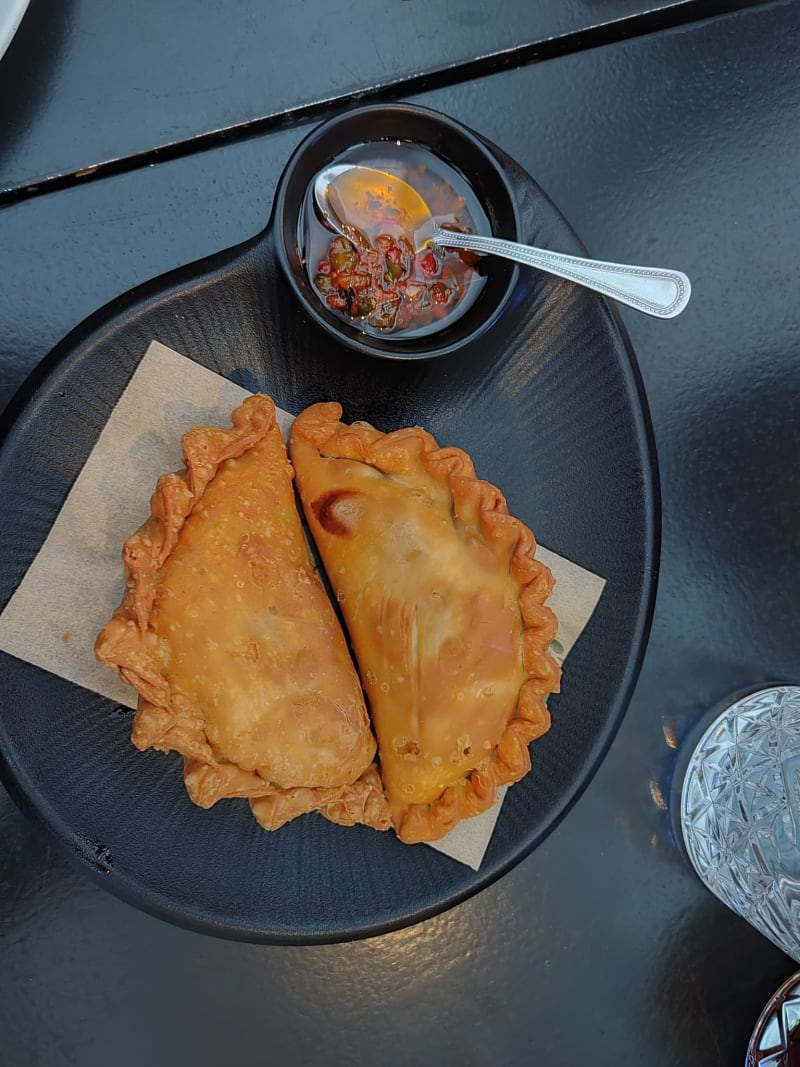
[740, 812]
[774, 1042]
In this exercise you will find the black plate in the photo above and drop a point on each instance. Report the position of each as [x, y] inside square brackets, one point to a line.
[551, 409]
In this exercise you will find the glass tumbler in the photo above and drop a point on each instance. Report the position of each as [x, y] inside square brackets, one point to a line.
[740, 811]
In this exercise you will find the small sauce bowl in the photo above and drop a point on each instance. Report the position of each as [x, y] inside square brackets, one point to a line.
[412, 139]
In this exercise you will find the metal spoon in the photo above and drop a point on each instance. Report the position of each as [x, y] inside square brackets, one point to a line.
[352, 197]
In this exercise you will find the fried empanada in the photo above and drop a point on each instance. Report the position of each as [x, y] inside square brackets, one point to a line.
[444, 603]
[229, 638]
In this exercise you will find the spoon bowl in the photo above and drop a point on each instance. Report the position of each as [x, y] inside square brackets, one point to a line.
[351, 196]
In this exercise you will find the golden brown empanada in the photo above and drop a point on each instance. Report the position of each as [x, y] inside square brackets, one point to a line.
[226, 633]
[444, 603]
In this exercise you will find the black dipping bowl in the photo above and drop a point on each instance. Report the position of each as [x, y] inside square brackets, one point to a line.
[458, 147]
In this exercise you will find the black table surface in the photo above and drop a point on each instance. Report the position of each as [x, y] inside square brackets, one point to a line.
[679, 146]
[87, 82]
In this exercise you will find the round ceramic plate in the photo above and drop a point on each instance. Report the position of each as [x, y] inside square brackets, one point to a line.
[11, 13]
[551, 409]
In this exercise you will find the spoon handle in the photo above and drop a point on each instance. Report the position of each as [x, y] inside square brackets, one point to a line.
[653, 290]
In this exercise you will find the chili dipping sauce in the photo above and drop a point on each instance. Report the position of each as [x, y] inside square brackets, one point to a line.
[375, 279]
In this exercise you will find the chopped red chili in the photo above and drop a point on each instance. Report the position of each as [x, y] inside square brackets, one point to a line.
[388, 285]
[429, 264]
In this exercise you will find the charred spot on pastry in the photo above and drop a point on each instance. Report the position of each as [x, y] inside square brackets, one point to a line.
[334, 509]
[406, 747]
